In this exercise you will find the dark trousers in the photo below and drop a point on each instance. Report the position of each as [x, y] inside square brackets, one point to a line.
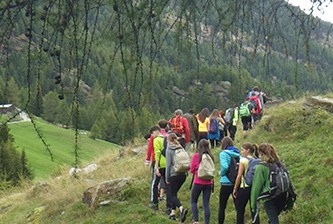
[232, 131]
[274, 207]
[225, 192]
[154, 185]
[202, 135]
[206, 192]
[246, 121]
[243, 195]
[175, 182]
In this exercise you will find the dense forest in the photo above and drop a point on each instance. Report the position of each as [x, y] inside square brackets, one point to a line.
[115, 67]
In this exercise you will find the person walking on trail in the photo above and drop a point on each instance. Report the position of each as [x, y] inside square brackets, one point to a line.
[231, 117]
[213, 130]
[242, 190]
[179, 125]
[245, 113]
[159, 170]
[222, 126]
[200, 185]
[261, 185]
[203, 122]
[193, 126]
[228, 150]
[174, 180]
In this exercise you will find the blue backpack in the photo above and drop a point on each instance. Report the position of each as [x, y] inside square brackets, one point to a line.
[253, 162]
[213, 126]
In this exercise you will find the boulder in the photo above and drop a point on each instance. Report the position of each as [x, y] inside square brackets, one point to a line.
[88, 169]
[138, 150]
[319, 102]
[104, 191]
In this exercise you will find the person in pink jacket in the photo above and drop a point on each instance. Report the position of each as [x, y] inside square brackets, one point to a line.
[200, 185]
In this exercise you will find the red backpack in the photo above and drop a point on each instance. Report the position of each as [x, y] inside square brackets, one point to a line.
[256, 103]
[177, 124]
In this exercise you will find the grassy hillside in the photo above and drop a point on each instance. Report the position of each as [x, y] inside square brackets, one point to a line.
[61, 143]
[301, 136]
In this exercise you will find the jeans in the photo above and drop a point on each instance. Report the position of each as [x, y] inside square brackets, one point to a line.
[206, 192]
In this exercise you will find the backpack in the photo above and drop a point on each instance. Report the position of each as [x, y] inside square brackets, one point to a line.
[181, 160]
[206, 167]
[213, 126]
[177, 124]
[165, 145]
[253, 162]
[181, 141]
[256, 104]
[279, 179]
[233, 169]
[244, 110]
[229, 115]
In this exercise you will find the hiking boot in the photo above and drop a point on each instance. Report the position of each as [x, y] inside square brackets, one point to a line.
[154, 206]
[183, 215]
[172, 217]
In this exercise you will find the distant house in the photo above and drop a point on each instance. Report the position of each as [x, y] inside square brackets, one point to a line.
[7, 108]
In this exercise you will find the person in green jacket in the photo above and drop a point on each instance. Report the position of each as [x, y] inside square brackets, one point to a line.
[261, 185]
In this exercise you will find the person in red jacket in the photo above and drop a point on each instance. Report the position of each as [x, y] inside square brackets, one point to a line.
[257, 108]
[180, 125]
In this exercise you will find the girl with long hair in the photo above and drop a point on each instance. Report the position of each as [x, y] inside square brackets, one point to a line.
[228, 151]
[203, 122]
[241, 191]
[174, 180]
[261, 185]
[200, 185]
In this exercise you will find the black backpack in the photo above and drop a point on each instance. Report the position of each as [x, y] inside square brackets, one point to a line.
[279, 179]
[233, 169]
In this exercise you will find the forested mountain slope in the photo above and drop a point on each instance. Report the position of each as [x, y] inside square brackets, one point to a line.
[116, 67]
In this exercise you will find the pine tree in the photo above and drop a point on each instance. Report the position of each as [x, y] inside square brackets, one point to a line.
[12, 167]
[26, 172]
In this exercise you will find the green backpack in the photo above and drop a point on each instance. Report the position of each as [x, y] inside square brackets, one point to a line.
[244, 110]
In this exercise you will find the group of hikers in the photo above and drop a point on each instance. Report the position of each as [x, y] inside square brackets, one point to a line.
[246, 174]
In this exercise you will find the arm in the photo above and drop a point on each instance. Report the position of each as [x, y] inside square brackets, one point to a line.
[241, 170]
[157, 152]
[221, 120]
[187, 130]
[150, 151]
[168, 164]
[194, 163]
[224, 163]
[235, 118]
[260, 179]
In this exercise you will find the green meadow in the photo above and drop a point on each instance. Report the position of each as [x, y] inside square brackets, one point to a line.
[61, 143]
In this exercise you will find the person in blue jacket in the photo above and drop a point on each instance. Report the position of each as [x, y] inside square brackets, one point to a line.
[228, 151]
